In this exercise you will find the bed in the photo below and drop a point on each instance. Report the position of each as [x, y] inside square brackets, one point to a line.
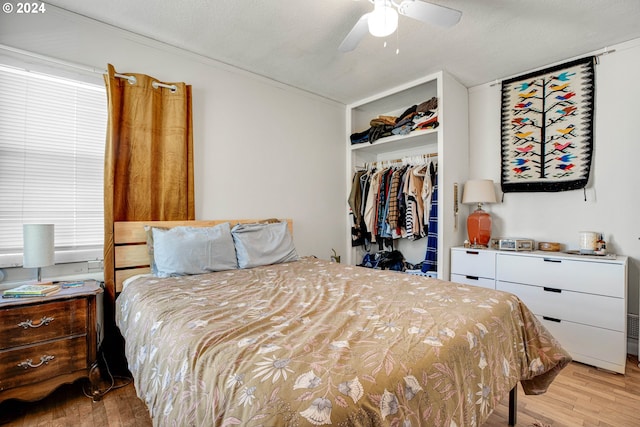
[311, 342]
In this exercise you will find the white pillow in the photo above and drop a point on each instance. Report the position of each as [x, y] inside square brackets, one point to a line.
[263, 244]
[193, 250]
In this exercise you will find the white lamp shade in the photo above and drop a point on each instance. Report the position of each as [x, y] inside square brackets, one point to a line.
[383, 21]
[479, 191]
[38, 245]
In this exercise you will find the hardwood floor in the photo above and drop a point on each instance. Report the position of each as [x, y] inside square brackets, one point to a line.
[580, 396]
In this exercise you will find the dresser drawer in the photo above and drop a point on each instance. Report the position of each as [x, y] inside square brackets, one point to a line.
[588, 309]
[29, 324]
[591, 345]
[473, 262]
[474, 281]
[47, 360]
[599, 278]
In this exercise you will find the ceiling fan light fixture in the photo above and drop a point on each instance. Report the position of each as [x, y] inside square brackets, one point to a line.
[383, 21]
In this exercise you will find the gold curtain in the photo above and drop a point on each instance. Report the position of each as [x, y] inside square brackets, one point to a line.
[148, 172]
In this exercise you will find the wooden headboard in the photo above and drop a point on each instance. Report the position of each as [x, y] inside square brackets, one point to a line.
[131, 255]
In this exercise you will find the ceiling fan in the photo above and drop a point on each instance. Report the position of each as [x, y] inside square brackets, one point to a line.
[383, 19]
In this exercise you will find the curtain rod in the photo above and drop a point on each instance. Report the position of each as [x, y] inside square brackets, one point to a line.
[132, 80]
[606, 51]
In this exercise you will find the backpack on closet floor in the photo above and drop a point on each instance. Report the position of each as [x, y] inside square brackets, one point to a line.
[384, 260]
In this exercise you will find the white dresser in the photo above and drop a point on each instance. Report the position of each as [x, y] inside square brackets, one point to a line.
[582, 300]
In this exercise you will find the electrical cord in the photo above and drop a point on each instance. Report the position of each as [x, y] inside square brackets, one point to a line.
[97, 395]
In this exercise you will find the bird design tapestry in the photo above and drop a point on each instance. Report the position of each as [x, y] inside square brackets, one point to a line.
[547, 128]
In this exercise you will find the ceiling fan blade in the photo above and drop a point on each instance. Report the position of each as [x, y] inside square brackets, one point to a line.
[355, 35]
[429, 13]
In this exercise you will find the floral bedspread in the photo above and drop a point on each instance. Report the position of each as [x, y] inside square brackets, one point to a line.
[318, 343]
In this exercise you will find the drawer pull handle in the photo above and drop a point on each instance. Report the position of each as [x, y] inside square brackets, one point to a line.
[472, 277]
[473, 252]
[551, 319]
[558, 291]
[44, 360]
[551, 260]
[29, 323]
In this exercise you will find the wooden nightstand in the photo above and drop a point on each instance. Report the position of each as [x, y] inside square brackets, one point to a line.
[48, 341]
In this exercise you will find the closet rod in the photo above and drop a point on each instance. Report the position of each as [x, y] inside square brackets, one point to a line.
[424, 156]
[132, 80]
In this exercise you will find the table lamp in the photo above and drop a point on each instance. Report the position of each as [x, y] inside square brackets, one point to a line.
[479, 222]
[38, 246]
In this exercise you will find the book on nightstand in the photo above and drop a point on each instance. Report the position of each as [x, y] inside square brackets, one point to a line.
[71, 284]
[31, 290]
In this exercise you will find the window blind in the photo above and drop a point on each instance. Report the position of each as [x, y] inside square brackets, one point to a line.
[52, 138]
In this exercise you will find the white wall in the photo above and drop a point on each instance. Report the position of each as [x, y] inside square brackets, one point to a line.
[262, 149]
[613, 194]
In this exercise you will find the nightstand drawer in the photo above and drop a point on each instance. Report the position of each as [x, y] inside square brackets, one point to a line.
[27, 365]
[34, 323]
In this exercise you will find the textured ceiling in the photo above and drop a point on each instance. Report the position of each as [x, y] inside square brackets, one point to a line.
[296, 41]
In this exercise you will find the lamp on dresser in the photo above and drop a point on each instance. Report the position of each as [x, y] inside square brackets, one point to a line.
[479, 191]
[38, 246]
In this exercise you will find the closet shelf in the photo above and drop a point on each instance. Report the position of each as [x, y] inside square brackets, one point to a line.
[393, 142]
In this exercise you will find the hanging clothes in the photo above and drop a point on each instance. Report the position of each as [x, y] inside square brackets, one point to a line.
[392, 202]
[355, 203]
[394, 212]
[419, 175]
[355, 197]
[431, 256]
[371, 204]
[427, 190]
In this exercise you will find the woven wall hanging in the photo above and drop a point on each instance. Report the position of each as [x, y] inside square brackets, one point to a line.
[547, 128]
